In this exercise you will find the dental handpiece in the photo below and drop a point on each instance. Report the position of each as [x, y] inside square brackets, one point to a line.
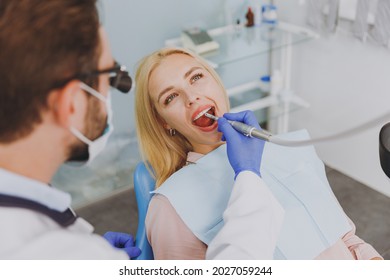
[251, 131]
[245, 129]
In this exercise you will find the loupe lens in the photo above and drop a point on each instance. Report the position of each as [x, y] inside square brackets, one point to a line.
[121, 82]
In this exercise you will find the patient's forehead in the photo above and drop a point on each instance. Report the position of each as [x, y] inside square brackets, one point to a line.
[170, 71]
[179, 62]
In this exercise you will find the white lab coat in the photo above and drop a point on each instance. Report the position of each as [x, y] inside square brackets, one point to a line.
[241, 237]
[27, 234]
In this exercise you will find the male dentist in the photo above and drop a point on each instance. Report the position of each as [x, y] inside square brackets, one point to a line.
[56, 69]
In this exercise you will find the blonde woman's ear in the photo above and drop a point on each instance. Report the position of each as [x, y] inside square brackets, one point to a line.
[169, 129]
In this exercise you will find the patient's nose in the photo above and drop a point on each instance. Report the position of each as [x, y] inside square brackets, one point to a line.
[191, 99]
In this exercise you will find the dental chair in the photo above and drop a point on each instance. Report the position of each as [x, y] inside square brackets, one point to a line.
[143, 185]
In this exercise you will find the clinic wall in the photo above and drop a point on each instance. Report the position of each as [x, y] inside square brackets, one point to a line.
[347, 83]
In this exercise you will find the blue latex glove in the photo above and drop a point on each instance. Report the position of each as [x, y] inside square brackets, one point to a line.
[244, 152]
[124, 242]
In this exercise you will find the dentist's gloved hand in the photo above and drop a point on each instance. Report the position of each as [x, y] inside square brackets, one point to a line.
[124, 242]
[244, 152]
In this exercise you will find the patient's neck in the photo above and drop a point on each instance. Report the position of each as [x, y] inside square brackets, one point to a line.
[206, 148]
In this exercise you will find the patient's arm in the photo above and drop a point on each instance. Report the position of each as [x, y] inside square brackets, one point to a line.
[358, 247]
[169, 237]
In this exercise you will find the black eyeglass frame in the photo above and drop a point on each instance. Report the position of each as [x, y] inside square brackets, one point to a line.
[119, 78]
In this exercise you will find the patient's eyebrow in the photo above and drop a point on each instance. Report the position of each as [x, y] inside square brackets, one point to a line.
[171, 87]
[190, 71]
[163, 92]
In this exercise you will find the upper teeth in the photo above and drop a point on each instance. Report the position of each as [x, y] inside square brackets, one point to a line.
[201, 114]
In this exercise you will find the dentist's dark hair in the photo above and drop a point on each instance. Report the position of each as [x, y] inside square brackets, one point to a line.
[42, 43]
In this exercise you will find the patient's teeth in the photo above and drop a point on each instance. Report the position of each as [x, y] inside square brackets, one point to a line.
[201, 114]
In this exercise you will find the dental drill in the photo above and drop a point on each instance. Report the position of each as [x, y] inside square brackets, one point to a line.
[245, 129]
[251, 131]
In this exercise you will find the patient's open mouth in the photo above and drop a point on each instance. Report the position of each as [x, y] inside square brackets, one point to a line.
[203, 121]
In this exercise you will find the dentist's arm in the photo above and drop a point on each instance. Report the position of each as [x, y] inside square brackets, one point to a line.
[253, 218]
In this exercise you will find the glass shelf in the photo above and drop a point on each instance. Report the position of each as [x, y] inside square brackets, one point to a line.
[237, 42]
[277, 109]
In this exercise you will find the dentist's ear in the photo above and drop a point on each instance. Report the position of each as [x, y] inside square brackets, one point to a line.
[65, 102]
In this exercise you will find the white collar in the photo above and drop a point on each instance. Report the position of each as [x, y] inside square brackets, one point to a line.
[13, 184]
[193, 157]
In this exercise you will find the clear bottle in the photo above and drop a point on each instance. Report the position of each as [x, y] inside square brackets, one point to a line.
[258, 13]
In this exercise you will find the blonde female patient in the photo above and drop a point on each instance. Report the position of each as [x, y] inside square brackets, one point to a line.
[186, 151]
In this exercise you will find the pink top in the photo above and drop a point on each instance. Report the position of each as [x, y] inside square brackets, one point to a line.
[171, 239]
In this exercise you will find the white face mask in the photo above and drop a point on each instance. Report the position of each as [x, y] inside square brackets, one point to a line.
[97, 145]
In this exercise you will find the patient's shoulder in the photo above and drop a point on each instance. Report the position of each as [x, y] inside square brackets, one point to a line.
[168, 235]
[160, 209]
[159, 202]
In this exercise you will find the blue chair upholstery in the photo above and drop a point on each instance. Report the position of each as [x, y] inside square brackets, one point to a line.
[143, 185]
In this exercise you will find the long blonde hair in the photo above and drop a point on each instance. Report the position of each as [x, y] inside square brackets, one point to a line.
[164, 153]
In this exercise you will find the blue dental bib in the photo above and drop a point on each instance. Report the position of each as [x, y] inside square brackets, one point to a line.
[314, 220]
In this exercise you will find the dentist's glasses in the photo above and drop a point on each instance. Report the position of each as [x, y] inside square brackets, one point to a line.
[118, 75]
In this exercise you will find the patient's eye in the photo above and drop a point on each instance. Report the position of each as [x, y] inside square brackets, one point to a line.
[196, 77]
[170, 98]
